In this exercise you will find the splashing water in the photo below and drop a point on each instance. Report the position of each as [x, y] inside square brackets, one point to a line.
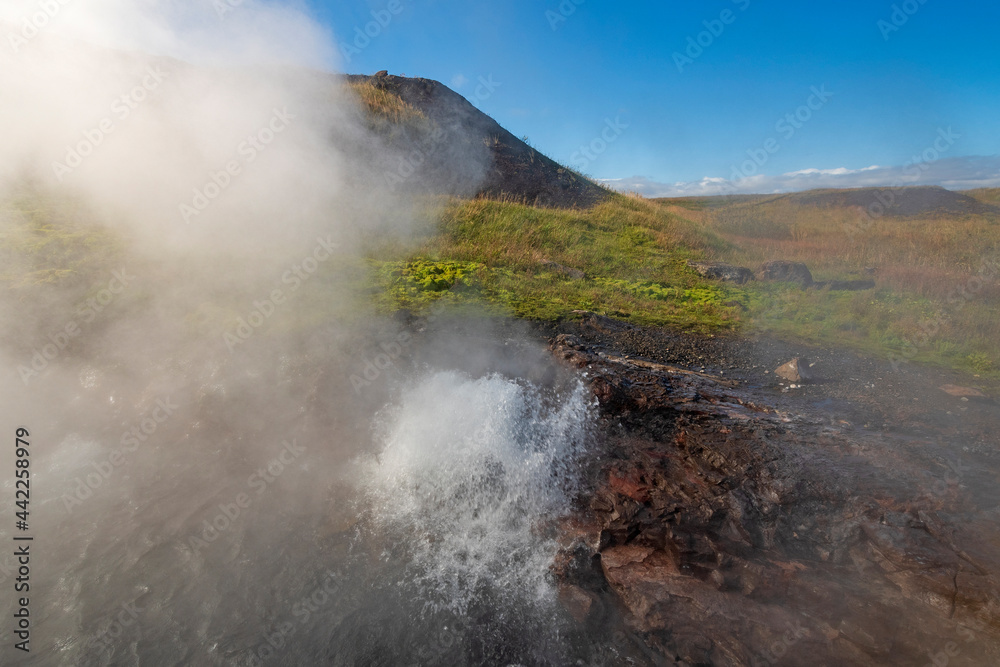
[469, 471]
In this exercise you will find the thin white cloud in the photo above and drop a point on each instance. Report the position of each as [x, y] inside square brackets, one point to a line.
[959, 173]
[839, 171]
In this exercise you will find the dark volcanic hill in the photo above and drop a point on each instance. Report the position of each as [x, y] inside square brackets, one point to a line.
[903, 201]
[459, 137]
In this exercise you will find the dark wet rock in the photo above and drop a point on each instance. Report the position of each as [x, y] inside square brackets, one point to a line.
[721, 271]
[784, 271]
[575, 274]
[796, 370]
[736, 532]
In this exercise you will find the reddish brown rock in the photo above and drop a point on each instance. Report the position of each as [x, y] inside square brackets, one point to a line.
[735, 533]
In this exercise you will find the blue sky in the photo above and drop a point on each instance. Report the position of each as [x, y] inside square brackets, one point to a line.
[685, 126]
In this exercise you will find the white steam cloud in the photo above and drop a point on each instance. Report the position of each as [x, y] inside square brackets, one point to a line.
[181, 191]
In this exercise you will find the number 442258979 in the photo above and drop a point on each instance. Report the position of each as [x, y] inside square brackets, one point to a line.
[23, 474]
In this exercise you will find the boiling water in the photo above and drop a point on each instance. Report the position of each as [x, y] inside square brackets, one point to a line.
[468, 472]
[230, 539]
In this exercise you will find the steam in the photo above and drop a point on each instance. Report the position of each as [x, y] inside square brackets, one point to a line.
[185, 127]
[207, 182]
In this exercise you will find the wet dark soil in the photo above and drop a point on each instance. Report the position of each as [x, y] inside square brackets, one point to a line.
[868, 392]
[740, 519]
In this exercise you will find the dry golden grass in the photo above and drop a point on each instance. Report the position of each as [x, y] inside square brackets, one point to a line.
[385, 105]
[925, 256]
[932, 273]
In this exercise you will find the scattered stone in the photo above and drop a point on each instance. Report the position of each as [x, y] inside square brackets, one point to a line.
[722, 271]
[796, 370]
[383, 72]
[955, 390]
[785, 271]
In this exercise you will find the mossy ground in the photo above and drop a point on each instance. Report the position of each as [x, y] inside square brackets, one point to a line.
[502, 254]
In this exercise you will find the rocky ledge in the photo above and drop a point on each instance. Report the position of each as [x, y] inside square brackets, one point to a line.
[729, 529]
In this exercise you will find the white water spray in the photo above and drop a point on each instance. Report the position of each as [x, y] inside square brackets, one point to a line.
[469, 472]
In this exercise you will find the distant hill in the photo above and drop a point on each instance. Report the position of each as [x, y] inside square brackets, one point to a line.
[458, 137]
[901, 202]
